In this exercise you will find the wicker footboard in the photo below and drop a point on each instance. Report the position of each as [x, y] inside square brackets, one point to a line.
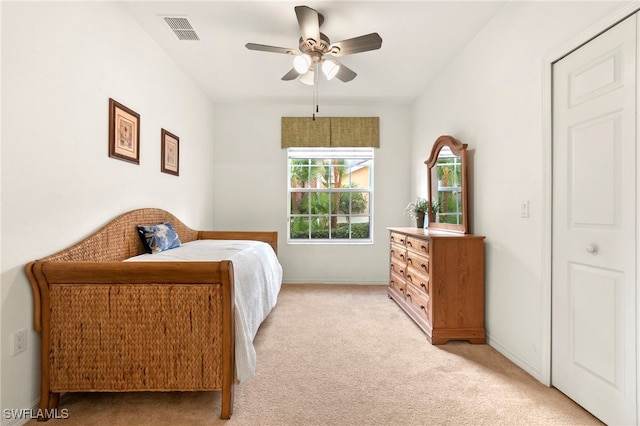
[121, 327]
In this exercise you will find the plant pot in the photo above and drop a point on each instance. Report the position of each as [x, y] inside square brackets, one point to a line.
[420, 219]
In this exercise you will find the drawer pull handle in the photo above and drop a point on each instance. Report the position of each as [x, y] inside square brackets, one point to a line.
[423, 247]
[423, 308]
[423, 286]
[423, 266]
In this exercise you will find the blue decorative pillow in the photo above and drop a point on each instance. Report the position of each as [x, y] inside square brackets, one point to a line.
[158, 237]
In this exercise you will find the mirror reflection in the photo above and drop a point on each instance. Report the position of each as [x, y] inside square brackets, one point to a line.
[448, 176]
[447, 185]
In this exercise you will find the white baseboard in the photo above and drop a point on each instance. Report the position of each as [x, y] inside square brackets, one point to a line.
[525, 365]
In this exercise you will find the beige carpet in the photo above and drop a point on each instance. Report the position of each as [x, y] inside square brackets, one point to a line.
[347, 355]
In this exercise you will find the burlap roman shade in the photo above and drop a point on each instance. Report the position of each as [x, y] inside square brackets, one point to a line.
[331, 132]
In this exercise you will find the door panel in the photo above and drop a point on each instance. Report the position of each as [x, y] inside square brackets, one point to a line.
[596, 336]
[594, 225]
[591, 164]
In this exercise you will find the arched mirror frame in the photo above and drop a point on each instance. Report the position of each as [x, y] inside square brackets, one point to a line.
[459, 149]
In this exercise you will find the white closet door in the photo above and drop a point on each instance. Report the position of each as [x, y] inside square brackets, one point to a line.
[594, 225]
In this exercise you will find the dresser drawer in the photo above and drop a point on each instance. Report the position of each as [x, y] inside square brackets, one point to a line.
[417, 245]
[398, 266]
[397, 283]
[419, 301]
[418, 261]
[418, 278]
[399, 252]
[398, 238]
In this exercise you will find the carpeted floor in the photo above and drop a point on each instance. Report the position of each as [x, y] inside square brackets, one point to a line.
[347, 355]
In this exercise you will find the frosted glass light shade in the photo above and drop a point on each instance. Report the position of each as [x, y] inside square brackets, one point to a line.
[330, 68]
[308, 78]
[301, 63]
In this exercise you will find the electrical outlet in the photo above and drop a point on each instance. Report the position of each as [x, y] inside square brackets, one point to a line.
[524, 209]
[19, 342]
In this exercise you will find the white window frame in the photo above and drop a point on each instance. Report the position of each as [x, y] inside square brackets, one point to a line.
[364, 154]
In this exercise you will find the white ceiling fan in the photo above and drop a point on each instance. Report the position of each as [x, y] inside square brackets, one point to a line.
[314, 45]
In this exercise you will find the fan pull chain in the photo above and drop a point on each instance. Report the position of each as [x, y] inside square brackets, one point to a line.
[315, 90]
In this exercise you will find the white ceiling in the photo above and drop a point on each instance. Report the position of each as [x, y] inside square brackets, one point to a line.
[419, 39]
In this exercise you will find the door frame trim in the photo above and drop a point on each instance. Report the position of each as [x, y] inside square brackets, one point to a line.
[547, 183]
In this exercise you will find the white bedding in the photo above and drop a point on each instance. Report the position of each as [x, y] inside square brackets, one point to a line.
[257, 276]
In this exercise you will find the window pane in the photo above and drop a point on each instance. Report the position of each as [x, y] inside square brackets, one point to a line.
[320, 227]
[360, 175]
[360, 228]
[449, 207]
[321, 176]
[449, 172]
[341, 228]
[339, 174]
[319, 203]
[299, 174]
[359, 203]
[299, 227]
[299, 202]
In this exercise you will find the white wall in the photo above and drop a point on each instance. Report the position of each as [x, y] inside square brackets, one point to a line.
[61, 62]
[248, 149]
[491, 97]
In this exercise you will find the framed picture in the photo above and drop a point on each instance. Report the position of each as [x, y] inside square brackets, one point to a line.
[124, 133]
[170, 153]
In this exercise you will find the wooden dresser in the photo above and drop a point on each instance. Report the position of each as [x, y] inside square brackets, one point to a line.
[437, 278]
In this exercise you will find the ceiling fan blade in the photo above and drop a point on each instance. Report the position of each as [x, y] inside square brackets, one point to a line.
[274, 49]
[363, 43]
[291, 75]
[345, 74]
[309, 22]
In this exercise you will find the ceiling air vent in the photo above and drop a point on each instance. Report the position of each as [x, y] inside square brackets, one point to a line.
[181, 27]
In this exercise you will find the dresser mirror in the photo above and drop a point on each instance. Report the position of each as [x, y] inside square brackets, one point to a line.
[447, 175]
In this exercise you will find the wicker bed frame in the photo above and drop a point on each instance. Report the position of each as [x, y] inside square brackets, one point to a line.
[113, 326]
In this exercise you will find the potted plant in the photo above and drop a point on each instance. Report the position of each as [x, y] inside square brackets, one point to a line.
[417, 210]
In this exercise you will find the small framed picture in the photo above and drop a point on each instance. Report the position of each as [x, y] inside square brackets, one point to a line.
[170, 153]
[124, 133]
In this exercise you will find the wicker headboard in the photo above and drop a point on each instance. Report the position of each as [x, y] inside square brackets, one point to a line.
[118, 240]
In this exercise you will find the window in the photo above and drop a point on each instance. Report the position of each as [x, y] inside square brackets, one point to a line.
[330, 195]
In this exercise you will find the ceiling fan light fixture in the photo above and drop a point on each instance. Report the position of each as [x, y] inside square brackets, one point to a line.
[330, 68]
[301, 63]
[308, 78]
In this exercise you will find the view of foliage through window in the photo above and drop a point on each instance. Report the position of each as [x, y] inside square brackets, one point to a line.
[330, 195]
[449, 201]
